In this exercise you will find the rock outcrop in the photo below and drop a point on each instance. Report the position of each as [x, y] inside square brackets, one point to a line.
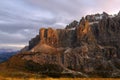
[91, 48]
[97, 17]
[72, 25]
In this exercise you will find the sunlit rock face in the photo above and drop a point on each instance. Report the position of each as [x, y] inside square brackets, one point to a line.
[91, 47]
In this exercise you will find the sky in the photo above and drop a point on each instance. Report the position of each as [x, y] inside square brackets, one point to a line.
[20, 20]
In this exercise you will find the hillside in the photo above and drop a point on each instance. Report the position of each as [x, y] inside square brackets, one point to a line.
[88, 48]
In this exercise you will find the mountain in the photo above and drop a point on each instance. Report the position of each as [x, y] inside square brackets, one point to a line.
[5, 54]
[88, 48]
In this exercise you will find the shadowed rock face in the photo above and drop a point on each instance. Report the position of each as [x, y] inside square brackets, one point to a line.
[72, 25]
[92, 47]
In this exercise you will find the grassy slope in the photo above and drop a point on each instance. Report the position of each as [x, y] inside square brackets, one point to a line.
[17, 67]
[34, 78]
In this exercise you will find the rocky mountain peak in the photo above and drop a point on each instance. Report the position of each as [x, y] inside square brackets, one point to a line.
[119, 13]
[72, 25]
[92, 47]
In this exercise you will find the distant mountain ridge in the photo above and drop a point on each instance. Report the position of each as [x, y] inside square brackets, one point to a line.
[5, 54]
[88, 48]
[6, 50]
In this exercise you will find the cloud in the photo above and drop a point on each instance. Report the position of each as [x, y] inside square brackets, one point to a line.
[12, 46]
[20, 20]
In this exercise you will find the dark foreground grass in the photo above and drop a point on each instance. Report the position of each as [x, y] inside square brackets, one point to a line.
[15, 75]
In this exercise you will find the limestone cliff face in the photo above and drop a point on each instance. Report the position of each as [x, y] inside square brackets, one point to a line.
[48, 36]
[64, 37]
[109, 31]
[54, 38]
[90, 46]
[85, 33]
